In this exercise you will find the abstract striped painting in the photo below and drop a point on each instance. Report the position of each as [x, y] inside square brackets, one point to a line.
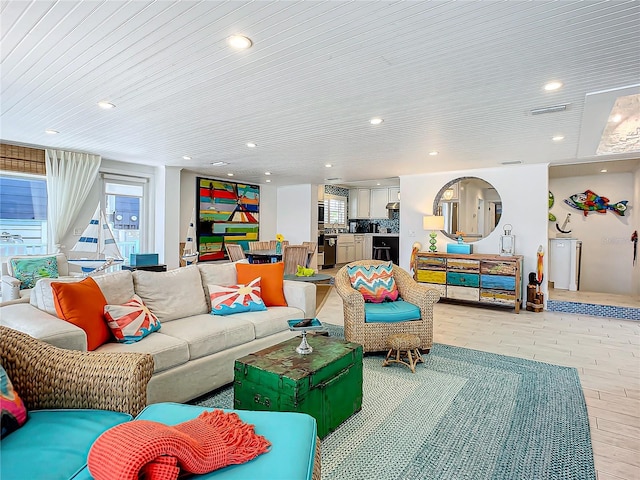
[228, 212]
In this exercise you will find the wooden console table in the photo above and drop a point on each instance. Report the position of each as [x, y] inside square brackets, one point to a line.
[484, 279]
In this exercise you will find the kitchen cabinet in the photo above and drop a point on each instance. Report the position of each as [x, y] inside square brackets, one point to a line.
[368, 247]
[394, 194]
[320, 193]
[359, 247]
[482, 279]
[359, 200]
[379, 200]
[346, 248]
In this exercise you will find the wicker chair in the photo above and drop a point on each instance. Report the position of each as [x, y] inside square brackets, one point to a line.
[373, 336]
[294, 255]
[50, 377]
[234, 252]
[312, 246]
[259, 245]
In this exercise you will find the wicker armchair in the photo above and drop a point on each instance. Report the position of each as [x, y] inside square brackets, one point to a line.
[373, 336]
[50, 377]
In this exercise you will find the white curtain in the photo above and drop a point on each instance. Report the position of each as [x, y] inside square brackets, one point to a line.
[70, 176]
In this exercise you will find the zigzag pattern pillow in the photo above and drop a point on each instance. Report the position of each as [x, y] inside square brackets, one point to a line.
[227, 300]
[374, 282]
[14, 413]
[132, 321]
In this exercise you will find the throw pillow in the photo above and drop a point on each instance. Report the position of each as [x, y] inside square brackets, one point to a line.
[374, 282]
[132, 321]
[271, 283]
[14, 413]
[82, 303]
[236, 298]
[30, 270]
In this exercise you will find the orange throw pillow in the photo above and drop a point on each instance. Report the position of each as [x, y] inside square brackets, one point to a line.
[271, 283]
[82, 303]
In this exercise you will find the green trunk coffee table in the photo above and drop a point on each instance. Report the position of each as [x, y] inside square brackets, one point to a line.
[326, 384]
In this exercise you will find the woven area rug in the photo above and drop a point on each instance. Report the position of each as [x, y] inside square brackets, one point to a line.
[464, 414]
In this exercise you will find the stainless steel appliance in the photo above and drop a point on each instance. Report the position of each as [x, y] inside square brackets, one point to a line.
[373, 227]
[330, 246]
[353, 226]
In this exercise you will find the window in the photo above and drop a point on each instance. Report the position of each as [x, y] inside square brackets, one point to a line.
[335, 211]
[23, 214]
[125, 207]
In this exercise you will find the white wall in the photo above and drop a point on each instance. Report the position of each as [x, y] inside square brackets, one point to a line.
[523, 190]
[296, 203]
[606, 246]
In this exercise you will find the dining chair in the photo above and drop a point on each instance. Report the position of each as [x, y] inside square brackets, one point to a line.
[311, 247]
[259, 246]
[272, 244]
[292, 256]
[234, 252]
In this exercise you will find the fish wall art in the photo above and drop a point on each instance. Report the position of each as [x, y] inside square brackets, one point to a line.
[589, 201]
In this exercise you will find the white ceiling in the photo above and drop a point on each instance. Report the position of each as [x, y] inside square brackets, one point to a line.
[456, 77]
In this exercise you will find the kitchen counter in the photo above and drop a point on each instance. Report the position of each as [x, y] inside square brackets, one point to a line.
[380, 234]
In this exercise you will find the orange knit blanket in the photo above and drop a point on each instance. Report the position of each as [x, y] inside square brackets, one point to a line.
[155, 451]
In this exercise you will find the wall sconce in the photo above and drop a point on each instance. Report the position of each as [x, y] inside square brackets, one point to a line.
[433, 223]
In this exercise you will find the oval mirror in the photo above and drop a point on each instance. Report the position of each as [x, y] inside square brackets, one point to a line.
[471, 207]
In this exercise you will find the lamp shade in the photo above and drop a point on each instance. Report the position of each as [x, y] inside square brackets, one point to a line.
[432, 222]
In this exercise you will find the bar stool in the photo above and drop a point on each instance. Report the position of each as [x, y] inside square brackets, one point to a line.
[377, 253]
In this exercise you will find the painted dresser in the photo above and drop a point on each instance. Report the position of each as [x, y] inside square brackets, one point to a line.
[483, 279]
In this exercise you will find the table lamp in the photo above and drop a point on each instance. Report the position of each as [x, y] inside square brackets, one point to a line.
[433, 223]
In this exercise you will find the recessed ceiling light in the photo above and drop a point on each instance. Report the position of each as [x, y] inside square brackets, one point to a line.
[557, 138]
[616, 118]
[604, 170]
[239, 42]
[106, 105]
[551, 86]
[229, 174]
[267, 173]
[251, 145]
[378, 183]
[51, 131]
[218, 164]
[186, 157]
[433, 154]
[328, 165]
[376, 121]
[268, 180]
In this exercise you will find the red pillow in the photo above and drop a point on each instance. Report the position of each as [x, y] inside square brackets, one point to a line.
[82, 303]
[271, 283]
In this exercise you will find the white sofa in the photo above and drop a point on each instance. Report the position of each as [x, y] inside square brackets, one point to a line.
[11, 285]
[194, 351]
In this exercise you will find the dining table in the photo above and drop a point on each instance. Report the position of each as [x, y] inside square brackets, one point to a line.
[263, 256]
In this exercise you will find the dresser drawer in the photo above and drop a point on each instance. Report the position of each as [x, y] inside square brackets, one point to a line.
[501, 282]
[463, 279]
[431, 276]
[442, 289]
[463, 265]
[431, 263]
[498, 267]
[498, 297]
[463, 293]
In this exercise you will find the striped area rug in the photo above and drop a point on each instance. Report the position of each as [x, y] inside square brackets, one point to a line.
[464, 414]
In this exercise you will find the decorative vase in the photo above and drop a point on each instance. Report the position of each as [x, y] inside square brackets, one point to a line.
[278, 248]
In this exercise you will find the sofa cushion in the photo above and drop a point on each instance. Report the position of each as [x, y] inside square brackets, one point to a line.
[208, 334]
[174, 294]
[272, 321]
[82, 304]
[218, 274]
[54, 440]
[42, 295]
[117, 287]
[228, 300]
[167, 351]
[389, 312]
[131, 321]
[63, 264]
[374, 282]
[30, 270]
[292, 436]
[271, 280]
[14, 413]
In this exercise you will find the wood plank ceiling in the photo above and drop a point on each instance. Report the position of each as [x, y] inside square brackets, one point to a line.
[459, 78]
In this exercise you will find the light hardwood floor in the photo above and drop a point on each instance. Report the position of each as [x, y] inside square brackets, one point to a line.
[605, 351]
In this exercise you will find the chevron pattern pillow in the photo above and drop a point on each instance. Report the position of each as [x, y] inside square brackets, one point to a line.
[132, 321]
[374, 282]
[227, 300]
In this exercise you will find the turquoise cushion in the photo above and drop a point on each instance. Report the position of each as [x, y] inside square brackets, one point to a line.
[390, 312]
[54, 444]
[292, 437]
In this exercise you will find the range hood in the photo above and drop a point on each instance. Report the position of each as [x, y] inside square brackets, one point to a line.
[393, 206]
